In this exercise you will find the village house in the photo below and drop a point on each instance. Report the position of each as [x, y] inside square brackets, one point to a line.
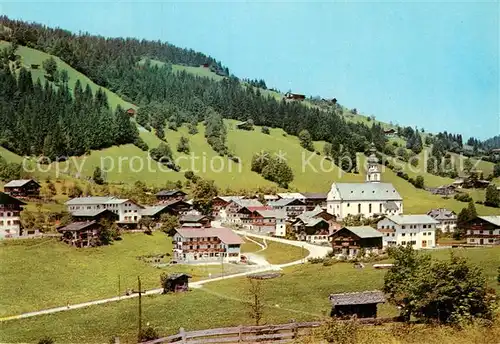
[447, 219]
[244, 125]
[443, 190]
[291, 195]
[360, 304]
[220, 202]
[82, 215]
[129, 213]
[270, 222]
[294, 96]
[233, 212]
[483, 230]
[81, 234]
[390, 132]
[315, 225]
[366, 199]
[22, 188]
[206, 244]
[194, 221]
[350, 241]
[314, 199]
[10, 211]
[166, 196]
[268, 198]
[470, 182]
[315, 231]
[177, 207]
[417, 230]
[156, 211]
[131, 112]
[293, 207]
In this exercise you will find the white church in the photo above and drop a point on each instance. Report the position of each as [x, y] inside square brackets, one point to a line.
[369, 198]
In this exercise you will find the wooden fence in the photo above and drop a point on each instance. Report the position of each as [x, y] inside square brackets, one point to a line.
[282, 333]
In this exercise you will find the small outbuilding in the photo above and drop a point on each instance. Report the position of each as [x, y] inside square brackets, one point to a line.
[176, 282]
[360, 304]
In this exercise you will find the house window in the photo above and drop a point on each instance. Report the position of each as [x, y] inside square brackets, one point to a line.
[403, 234]
[403, 227]
[370, 208]
[359, 208]
[348, 204]
[403, 242]
[380, 208]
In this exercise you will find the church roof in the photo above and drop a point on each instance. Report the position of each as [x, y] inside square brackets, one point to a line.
[367, 192]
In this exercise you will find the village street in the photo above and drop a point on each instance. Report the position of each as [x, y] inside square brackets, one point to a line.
[263, 265]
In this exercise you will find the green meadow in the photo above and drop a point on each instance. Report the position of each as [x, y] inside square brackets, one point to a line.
[300, 294]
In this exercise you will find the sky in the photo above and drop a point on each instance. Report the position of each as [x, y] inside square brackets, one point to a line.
[431, 65]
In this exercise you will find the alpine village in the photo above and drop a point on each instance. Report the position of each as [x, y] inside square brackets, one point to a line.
[390, 234]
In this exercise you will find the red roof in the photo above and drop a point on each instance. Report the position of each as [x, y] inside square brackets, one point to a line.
[131, 110]
[226, 235]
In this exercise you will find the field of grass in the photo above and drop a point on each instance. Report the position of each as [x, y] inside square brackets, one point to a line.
[483, 166]
[43, 273]
[198, 71]
[249, 246]
[278, 253]
[300, 294]
[32, 56]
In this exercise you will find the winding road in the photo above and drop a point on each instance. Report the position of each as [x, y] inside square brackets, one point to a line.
[314, 251]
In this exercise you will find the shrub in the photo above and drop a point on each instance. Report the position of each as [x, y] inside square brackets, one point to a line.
[148, 333]
[189, 175]
[463, 197]
[340, 332]
[139, 143]
[265, 130]
[46, 340]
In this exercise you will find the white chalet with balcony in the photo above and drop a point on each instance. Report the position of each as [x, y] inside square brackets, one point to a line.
[127, 210]
[417, 230]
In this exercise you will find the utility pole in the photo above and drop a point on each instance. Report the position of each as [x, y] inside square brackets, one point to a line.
[140, 307]
[119, 287]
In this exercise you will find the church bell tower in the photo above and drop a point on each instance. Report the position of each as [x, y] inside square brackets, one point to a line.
[373, 172]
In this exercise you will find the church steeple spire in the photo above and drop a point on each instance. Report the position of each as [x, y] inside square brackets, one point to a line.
[373, 172]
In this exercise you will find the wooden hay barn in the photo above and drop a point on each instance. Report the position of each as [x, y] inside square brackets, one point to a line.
[177, 282]
[360, 304]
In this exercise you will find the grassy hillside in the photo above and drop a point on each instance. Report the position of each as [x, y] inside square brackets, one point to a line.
[32, 56]
[124, 162]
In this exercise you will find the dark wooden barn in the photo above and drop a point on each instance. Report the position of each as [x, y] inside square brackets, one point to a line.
[361, 304]
[22, 188]
[350, 240]
[294, 96]
[165, 196]
[93, 215]
[176, 282]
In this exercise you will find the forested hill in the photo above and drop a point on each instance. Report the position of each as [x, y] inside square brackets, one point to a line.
[100, 58]
[183, 97]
